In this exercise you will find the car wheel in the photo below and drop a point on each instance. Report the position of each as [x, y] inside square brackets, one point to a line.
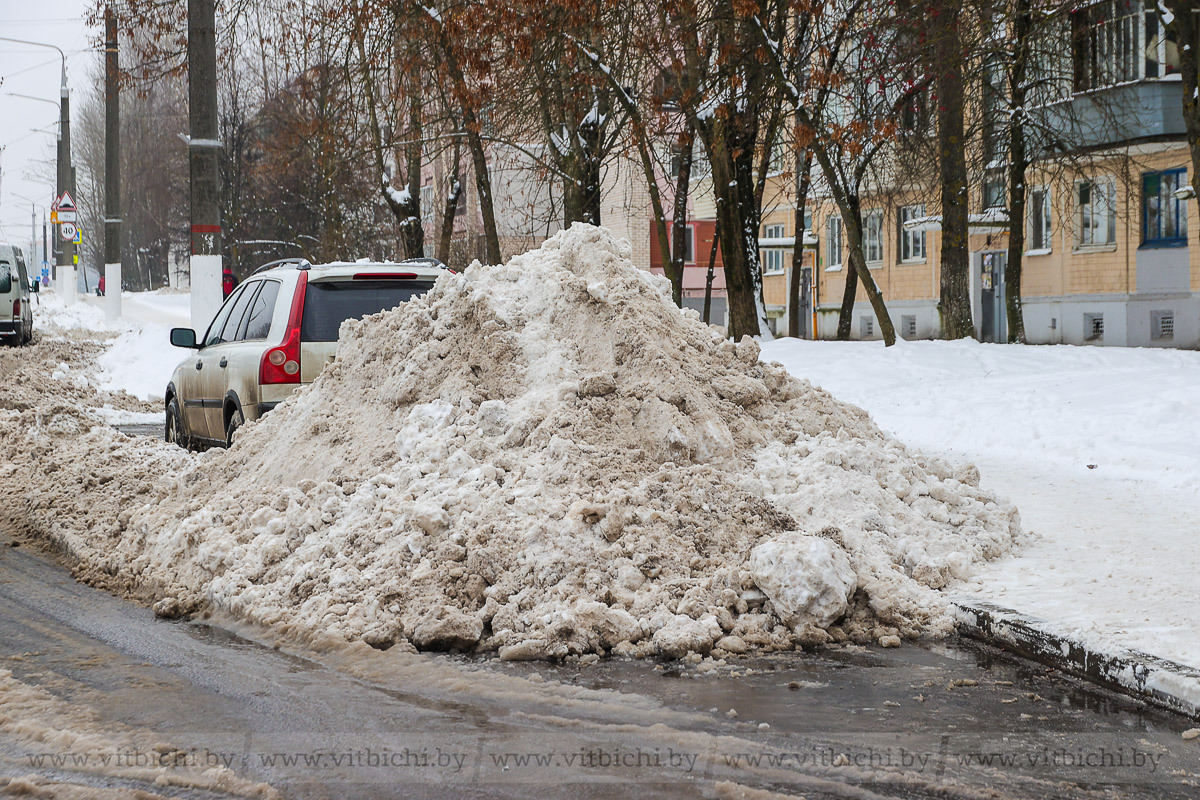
[236, 421]
[174, 430]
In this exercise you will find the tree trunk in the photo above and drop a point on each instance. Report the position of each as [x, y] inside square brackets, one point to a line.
[642, 141]
[483, 187]
[412, 231]
[472, 126]
[803, 178]
[740, 260]
[708, 281]
[451, 207]
[1018, 165]
[858, 267]
[679, 225]
[846, 312]
[955, 301]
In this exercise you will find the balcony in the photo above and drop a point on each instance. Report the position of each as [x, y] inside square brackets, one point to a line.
[1115, 115]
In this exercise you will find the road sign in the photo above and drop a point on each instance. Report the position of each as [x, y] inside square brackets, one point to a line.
[78, 235]
[67, 231]
[64, 203]
[58, 217]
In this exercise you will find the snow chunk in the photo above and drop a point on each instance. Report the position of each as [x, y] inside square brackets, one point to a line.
[808, 578]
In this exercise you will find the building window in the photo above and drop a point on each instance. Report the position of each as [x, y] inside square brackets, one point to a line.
[779, 151]
[994, 195]
[1118, 41]
[1093, 327]
[1164, 216]
[912, 243]
[460, 204]
[689, 244]
[995, 117]
[833, 243]
[427, 204]
[1037, 234]
[1097, 213]
[873, 236]
[772, 258]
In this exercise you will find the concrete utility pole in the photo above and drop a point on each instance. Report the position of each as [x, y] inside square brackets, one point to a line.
[66, 255]
[204, 167]
[112, 170]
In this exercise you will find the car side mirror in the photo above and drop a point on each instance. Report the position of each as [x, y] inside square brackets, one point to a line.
[35, 287]
[184, 337]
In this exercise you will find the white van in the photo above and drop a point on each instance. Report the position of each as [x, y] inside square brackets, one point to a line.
[16, 312]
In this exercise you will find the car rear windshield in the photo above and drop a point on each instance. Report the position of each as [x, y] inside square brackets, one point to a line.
[327, 304]
[5, 278]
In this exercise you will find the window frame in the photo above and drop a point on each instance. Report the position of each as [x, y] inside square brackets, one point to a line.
[1046, 243]
[873, 239]
[244, 329]
[427, 200]
[833, 241]
[226, 308]
[1180, 205]
[1109, 185]
[774, 256]
[908, 239]
[689, 248]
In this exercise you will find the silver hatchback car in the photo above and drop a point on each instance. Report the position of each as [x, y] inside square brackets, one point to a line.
[276, 331]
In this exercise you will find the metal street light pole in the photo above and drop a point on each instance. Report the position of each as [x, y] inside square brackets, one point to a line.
[32, 227]
[67, 257]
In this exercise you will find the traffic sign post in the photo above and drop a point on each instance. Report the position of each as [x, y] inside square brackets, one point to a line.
[64, 202]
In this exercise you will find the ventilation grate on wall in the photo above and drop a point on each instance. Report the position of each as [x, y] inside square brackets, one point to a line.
[866, 326]
[1093, 327]
[1162, 325]
[908, 324]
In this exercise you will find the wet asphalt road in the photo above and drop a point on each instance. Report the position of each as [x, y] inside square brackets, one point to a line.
[950, 719]
[863, 722]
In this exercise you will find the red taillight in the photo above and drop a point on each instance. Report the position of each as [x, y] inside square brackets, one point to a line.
[16, 308]
[385, 276]
[282, 364]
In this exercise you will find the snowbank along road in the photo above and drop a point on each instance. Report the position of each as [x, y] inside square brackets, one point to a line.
[544, 458]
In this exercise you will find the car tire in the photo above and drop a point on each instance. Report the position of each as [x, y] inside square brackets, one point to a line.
[235, 421]
[173, 430]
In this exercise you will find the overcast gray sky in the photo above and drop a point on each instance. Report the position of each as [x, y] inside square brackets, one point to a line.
[35, 71]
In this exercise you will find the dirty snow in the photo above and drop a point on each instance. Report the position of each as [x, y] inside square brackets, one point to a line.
[34, 723]
[544, 458]
[1098, 446]
[141, 358]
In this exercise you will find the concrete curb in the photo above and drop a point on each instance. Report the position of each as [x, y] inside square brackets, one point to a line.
[1156, 680]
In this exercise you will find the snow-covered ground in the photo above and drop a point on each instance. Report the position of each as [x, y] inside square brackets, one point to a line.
[1099, 448]
[141, 359]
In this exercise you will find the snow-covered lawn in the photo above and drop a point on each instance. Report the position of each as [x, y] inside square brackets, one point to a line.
[1099, 448]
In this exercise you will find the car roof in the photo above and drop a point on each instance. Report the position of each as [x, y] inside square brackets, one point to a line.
[422, 267]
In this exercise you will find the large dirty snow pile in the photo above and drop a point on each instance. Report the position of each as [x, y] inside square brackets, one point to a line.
[548, 458]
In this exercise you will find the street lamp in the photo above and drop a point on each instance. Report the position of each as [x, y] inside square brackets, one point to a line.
[67, 256]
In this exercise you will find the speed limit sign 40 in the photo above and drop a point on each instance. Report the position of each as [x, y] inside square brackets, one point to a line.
[67, 231]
